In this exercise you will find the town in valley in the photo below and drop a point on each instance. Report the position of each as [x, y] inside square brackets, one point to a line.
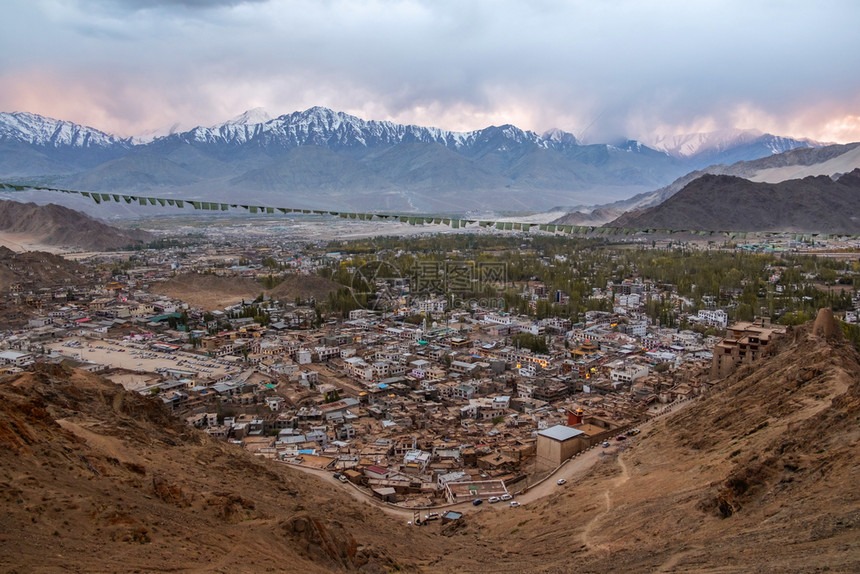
[431, 369]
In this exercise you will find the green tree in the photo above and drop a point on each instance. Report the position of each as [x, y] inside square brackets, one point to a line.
[534, 343]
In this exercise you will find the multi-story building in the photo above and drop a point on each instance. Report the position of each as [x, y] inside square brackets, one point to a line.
[744, 343]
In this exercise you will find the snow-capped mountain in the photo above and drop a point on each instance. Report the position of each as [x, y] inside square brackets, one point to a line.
[686, 145]
[560, 137]
[40, 131]
[322, 158]
[249, 117]
[337, 130]
[149, 136]
[727, 144]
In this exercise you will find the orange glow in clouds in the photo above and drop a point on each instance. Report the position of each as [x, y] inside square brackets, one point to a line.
[126, 108]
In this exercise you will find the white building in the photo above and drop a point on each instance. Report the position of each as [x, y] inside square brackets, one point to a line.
[456, 476]
[628, 373]
[717, 317]
[432, 306]
[303, 356]
[326, 353]
[357, 314]
[358, 368]
[500, 319]
[638, 328]
[15, 358]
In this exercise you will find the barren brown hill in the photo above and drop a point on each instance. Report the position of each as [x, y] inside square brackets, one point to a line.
[37, 268]
[727, 203]
[304, 286]
[214, 292]
[793, 164]
[63, 227]
[95, 479]
[210, 292]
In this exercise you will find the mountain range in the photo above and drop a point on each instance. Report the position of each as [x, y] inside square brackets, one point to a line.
[319, 158]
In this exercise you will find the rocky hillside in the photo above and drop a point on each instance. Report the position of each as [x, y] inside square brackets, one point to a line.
[799, 163]
[63, 227]
[39, 269]
[95, 479]
[727, 203]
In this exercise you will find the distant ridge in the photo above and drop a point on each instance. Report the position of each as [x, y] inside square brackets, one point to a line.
[793, 164]
[728, 203]
[63, 227]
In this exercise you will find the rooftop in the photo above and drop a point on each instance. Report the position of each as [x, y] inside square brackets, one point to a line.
[561, 433]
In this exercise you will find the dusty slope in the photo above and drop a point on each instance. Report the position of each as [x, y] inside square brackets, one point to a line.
[304, 286]
[39, 269]
[844, 163]
[210, 292]
[56, 225]
[793, 164]
[95, 479]
[213, 292]
[761, 475]
[726, 203]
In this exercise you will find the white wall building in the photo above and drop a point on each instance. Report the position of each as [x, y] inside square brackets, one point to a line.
[628, 373]
[716, 317]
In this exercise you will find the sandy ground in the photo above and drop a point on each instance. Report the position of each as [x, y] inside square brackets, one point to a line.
[20, 242]
[114, 354]
[133, 381]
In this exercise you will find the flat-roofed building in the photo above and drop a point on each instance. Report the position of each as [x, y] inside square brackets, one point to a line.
[557, 444]
[744, 343]
[471, 490]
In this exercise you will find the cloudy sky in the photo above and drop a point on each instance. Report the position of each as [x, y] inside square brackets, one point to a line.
[601, 69]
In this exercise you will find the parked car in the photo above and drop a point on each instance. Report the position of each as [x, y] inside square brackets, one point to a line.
[621, 437]
[561, 481]
[431, 516]
[605, 444]
[633, 432]
[477, 502]
[507, 497]
[514, 504]
[493, 499]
